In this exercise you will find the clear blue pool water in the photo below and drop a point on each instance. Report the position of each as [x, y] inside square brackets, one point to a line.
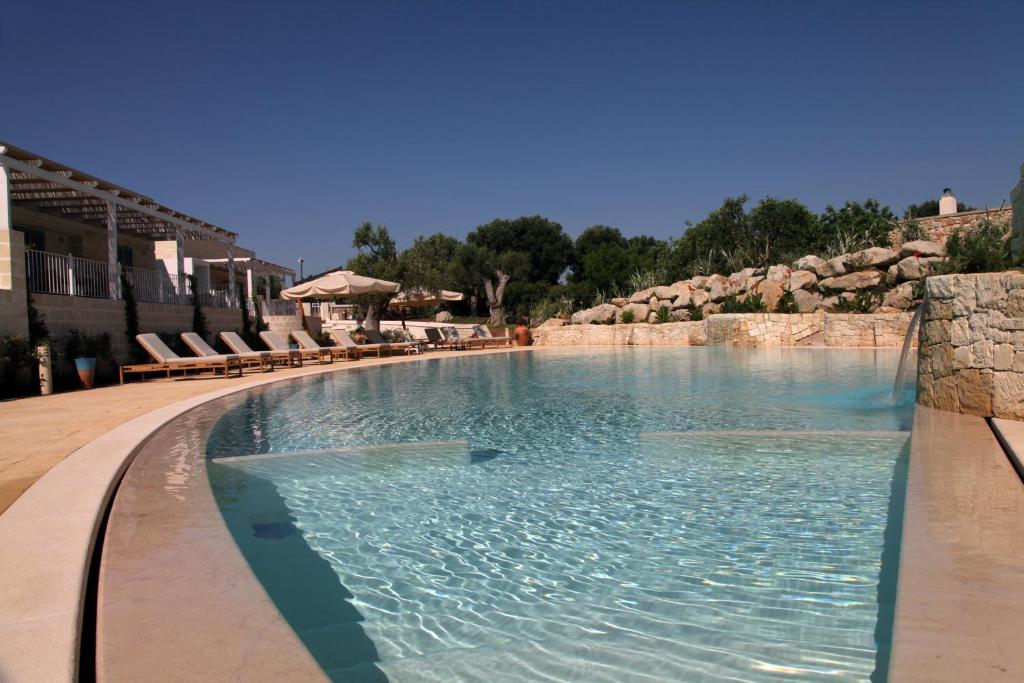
[606, 515]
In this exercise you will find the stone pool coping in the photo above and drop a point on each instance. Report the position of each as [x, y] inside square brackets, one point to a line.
[47, 538]
[960, 596]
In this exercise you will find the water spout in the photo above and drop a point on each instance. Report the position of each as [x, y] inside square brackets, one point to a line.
[902, 367]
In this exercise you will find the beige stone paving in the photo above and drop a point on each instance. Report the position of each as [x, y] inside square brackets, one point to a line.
[960, 599]
[38, 432]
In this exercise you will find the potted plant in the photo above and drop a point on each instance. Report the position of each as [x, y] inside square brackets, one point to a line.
[82, 350]
[523, 336]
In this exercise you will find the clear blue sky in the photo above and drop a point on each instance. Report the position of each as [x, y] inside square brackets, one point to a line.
[293, 122]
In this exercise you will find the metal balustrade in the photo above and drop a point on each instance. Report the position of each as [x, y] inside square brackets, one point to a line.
[68, 275]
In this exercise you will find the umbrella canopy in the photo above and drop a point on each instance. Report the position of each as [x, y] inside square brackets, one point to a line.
[425, 297]
[339, 283]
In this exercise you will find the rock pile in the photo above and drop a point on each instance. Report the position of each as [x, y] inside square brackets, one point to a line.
[816, 284]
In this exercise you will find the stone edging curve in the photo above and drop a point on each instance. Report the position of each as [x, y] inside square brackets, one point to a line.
[48, 535]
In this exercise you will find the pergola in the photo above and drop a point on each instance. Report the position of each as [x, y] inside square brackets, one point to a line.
[52, 187]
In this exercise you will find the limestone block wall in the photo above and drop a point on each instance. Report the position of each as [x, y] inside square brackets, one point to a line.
[939, 228]
[13, 306]
[95, 316]
[741, 329]
[283, 325]
[971, 358]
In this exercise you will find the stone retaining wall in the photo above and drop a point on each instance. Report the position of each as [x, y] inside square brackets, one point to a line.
[939, 228]
[95, 316]
[741, 329]
[971, 358]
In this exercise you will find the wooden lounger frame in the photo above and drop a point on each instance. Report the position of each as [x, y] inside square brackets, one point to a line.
[289, 358]
[224, 365]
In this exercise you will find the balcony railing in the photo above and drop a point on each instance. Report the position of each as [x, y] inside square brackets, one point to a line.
[69, 275]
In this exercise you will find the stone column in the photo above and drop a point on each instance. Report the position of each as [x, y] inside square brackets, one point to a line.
[179, 255]
[113, 269]
[232, 287]
[13, 285]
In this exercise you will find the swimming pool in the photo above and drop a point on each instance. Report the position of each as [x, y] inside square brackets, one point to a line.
[621, 514]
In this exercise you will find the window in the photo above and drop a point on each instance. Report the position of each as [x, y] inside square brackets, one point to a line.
[34, 239]
[125, 256]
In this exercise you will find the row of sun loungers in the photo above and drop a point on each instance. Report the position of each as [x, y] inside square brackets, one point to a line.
[281, 354]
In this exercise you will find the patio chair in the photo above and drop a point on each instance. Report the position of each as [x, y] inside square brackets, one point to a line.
[452, 334]
[374, 337]
[252, 359]
[346, 341]
[168, 361]
[435, 337]
[234, 341]
[484, 332]
[275, 343]
[308, 343]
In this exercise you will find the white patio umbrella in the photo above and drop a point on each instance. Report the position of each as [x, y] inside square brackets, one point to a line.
[338, 284]
[424, 297]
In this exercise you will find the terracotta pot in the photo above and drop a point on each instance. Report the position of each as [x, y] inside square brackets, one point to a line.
[86, 371]
[523, 336]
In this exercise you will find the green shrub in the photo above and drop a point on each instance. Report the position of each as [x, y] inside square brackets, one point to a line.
[627, 316]
[985, 248]
[17, 359]
[753, 303]
[131, 320]
[199, 324]
[696, 312]
[912, 230]
[863, 301]
[663, 315]
[787, 304]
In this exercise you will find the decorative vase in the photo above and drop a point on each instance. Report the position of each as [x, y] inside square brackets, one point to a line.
[86, 371]
[523, 336]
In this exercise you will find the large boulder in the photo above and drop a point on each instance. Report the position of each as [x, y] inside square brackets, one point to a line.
[831, 304]
[833, 267]
[770, 291]
[720, 287]
[739, 277]
[809, 262]
[872, 257]
[901, 297]
[892, 276]
[641, 297]
[710, 309]
[864, 279]
[699, 281]
[699, 297]
[600, 313]
[806, 301]
[666, 292]
[680, 315]
[553, 322]
[911, 268]
[802, 279]
[778, 273]
[640, 312]
[684, 295]
[443, 317]
[619, 301]
[922, 248]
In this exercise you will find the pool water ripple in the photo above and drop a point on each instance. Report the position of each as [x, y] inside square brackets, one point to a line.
[690, 514]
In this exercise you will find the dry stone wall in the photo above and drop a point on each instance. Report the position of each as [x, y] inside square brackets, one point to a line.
[971, 358]
[939, 228]
[742, 330]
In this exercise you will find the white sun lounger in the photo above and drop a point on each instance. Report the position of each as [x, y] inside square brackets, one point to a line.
[168, 361]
